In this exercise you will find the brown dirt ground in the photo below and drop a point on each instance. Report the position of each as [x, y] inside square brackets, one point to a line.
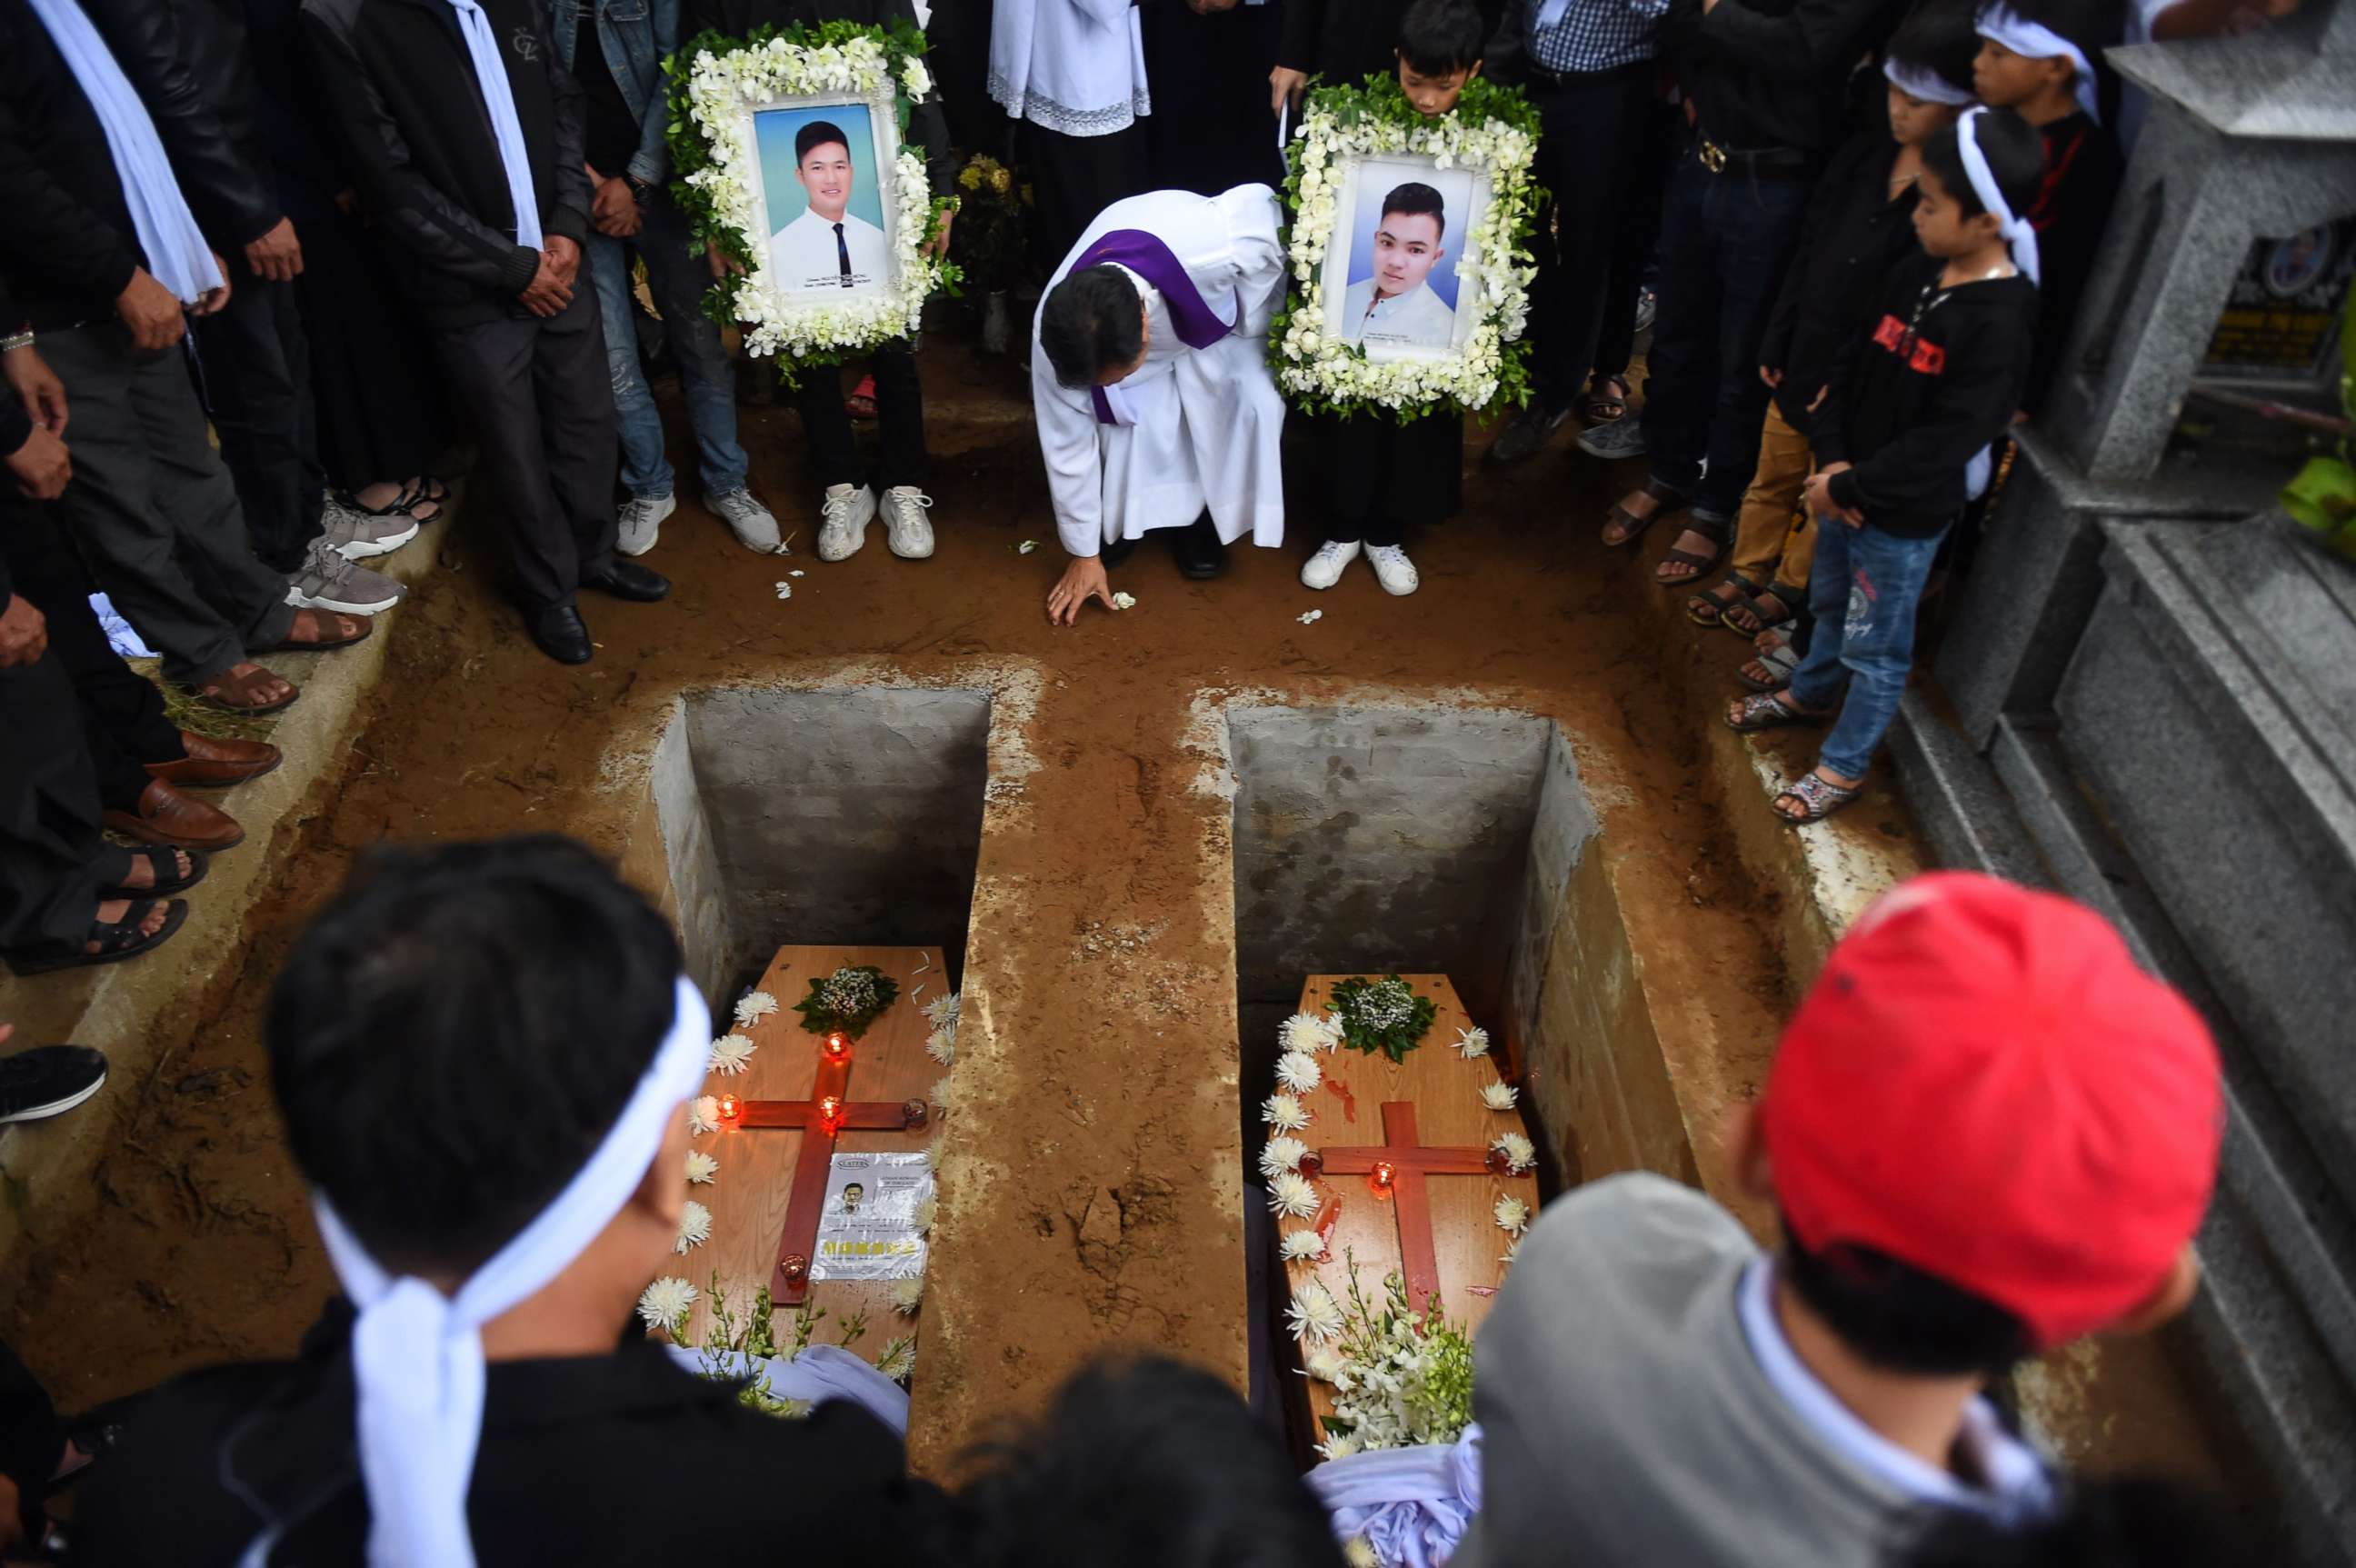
[195, 1245]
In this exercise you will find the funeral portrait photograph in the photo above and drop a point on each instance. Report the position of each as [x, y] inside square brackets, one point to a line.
[1391, 282]
[822, 173]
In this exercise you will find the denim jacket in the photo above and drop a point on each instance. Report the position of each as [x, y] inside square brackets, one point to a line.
[636, 36]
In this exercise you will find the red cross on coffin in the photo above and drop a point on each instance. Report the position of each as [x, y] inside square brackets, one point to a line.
[1396, 1170]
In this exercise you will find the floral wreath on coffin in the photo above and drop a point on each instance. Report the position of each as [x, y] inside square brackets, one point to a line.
[716, 84]
[1493, 130]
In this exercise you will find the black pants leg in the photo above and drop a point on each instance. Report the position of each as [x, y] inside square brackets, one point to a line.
[1383, 476]
[31, 1442]
[1077, 178]
[1640, 232]
[1590, 129]
[122, 714]
[899, 415]
[542, 405]
[254, 370]
[48, 810]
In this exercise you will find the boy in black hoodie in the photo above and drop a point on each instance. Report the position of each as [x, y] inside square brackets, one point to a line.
[1902, 442]
[1858, 230]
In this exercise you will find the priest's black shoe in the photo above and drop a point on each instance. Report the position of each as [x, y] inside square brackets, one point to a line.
[628, 580]
[1201, 556]
[560, 633]
[1118, 552]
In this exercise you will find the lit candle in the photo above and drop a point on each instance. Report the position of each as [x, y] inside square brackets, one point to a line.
[1382, 1178]
[837, 1048]
[730, 1107]
[830, 1112]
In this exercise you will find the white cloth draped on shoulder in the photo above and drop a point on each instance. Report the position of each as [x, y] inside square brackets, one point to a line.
[1198, 428]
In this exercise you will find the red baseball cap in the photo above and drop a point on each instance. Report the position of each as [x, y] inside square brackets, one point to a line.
[1982, 1083]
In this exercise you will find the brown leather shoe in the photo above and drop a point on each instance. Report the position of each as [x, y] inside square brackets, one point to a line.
[166, 816]
[216, 764]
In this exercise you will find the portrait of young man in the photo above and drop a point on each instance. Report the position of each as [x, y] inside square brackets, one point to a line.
[827, 245]
[1395, 303]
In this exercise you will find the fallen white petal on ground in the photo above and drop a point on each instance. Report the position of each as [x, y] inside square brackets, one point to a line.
[1124, 601]
[1311, 616]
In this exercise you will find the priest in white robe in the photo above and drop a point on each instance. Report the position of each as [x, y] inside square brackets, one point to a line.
[1172, 416]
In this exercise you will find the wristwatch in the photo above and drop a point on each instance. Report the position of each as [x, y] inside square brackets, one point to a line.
[639, 188]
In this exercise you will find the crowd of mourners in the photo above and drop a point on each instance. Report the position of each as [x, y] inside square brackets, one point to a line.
[265, 260]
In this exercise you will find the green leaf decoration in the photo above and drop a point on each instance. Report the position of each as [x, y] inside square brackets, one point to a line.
[850, 999]
[1384, 1016]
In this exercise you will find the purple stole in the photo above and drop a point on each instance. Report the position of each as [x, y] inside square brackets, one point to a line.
[1198, 324]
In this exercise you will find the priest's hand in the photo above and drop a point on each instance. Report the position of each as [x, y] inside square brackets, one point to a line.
[1083, 580]
[1283, 83]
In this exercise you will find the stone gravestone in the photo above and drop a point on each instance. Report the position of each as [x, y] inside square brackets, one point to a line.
[1428, 1212]
[2150, 704]
[775, 1187]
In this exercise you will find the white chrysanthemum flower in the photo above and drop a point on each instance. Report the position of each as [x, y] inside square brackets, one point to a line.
[927, 1210]
[731, 1054]
[1298, 1071]
[703, 1114]
[1499, 1096]
[1473, 1042]
[1520, 1155]
[908, 1294]
[940, 1095]
[941, 1012]
[1358, 1552]
[701, 1168]
[898, 1359]
[1314, 1315]
[754, 1006]
[1310, 1032]
[1281, 1155]
[1284, 1113]
[1338, 1447]
[933, 1156]
[1292, 1195]
[1326, 1364]
[666, 1304]
[1513, 1215]
[941, 1046]
[694, 1226]
[1301, 1246]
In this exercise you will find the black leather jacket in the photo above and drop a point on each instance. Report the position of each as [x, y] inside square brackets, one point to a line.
[189, 62]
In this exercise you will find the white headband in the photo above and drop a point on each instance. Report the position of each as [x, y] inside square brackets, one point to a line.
[417, 1354]
[1924, 86]
[2035, 40]
[2019, 233]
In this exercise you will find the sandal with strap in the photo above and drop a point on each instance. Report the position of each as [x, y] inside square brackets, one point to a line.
[1775, 664]
[236, 693]
[1765, 608]
[1711, 608]
[1601, 407]
[1718, 530]
[1632, 527]
[1818, 796]
[116, 939]
[1765, 710]
[349, 629]
[116, 862]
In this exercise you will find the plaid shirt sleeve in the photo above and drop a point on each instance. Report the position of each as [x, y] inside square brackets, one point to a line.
[1594, 34]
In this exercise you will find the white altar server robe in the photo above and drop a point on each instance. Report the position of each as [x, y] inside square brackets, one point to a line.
[1206, 422]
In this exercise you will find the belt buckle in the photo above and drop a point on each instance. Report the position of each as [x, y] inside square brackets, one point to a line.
[1713, 157]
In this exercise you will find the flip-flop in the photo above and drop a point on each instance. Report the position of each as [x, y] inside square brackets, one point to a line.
[1671, 501]
[116, 939]
[159, 861]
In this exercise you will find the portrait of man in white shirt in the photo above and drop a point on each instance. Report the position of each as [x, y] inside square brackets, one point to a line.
[828, 246]
[1396, 305]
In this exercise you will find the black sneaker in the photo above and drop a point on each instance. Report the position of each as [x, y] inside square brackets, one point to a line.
[48, 1081]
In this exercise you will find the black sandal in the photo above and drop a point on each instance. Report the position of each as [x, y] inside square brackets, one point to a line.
[1760, 620]
[116, 939]
[1711, 608]
[1601, 407]
[160, 865]
[1720, 534]
[1620, 517]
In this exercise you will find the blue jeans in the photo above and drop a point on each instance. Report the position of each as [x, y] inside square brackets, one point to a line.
[633, 36]
[1863, 592]
[1724, 240]
[677, 276]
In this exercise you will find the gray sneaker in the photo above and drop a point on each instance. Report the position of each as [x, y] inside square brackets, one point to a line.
[1531, 429]
[331, 582]
[642, 518]
[356, 535]
[753, 524]
[1621, 438]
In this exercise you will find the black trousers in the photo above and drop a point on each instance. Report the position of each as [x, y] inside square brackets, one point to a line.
[1076, 178]
[1591, 137]
[1639, 237]
[899, 416]
[122, 712]
[1383, 476]
[540, 401]
[253, 367]
[32, 1441]
[48, 810]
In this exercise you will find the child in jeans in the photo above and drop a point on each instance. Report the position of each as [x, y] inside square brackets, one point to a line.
[2037, 59]
[1858, 227]
[1381, 474]
[1902, 441]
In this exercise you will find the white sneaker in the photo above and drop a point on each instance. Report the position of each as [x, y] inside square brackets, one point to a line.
[1323, 569]
[907, 529]
[753, 524]
[642, 518]
[1393, 569]
[849, 510]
